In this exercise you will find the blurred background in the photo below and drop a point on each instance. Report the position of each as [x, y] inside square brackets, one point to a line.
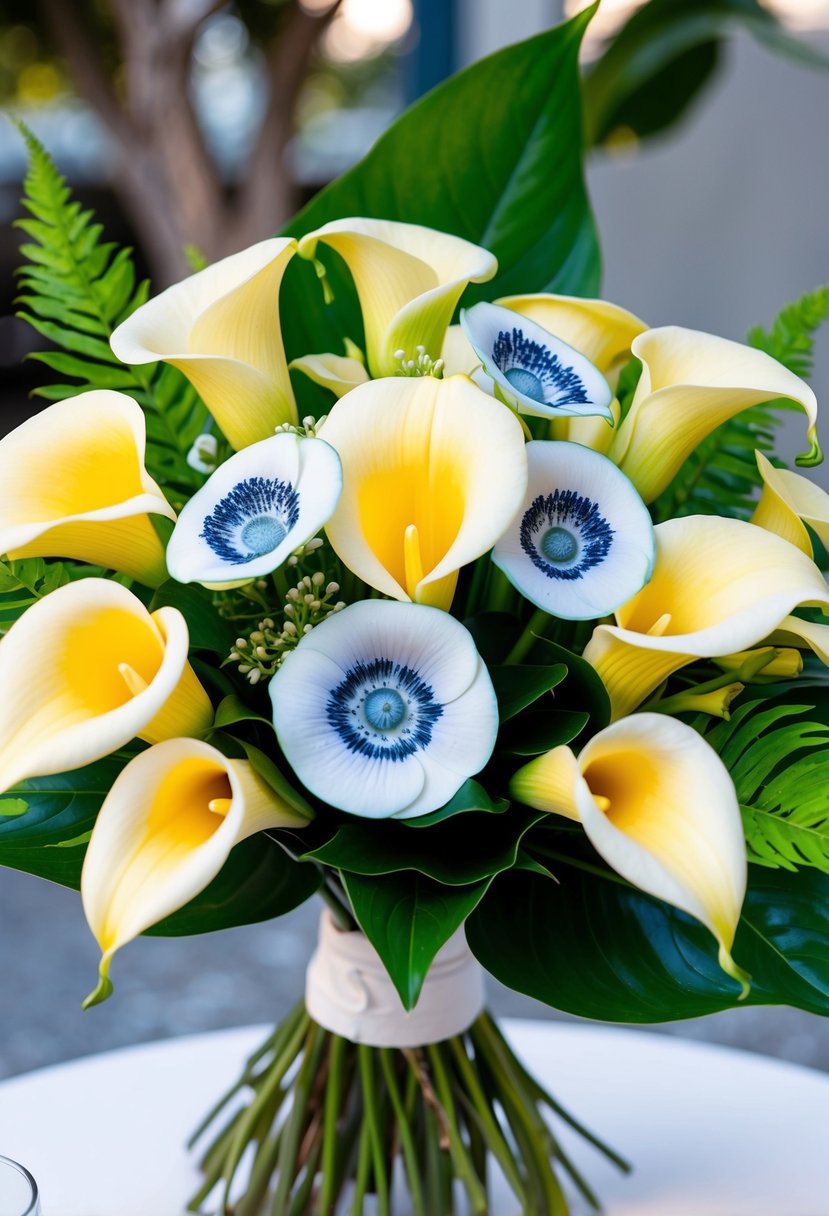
[207, 123]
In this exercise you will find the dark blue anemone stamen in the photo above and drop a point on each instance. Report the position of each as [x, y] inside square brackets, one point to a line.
[383, 710]
[536, 371]
[550, 519]
[252, 519]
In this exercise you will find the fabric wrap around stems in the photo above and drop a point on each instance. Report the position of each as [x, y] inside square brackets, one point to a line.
[348, 992]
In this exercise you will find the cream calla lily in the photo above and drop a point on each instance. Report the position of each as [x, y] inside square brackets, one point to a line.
[408, 278]
[789, 501]
[718, 586]
[73, 484]
[339, 373]
[221, 328]
[164, 832]
[433, 472]
[691, 383]
[658, 805]
[85, 670]
[601, 331]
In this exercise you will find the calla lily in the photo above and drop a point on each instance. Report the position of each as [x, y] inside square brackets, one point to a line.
[789, 501]
[385, 709]
[259, 506]
[73, 484]
[221, 328]
[691, 383]
[718, 586]
[657, 803]
[536, 373]
[339, 373]
[601, 331]
[86, 669]
[408, 278]
[164, 832]
[582, 541]
[433, 471]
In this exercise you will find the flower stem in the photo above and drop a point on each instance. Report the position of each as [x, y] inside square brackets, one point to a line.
[533, 630]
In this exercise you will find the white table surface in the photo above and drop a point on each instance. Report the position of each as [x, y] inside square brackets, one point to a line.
[712, 1132]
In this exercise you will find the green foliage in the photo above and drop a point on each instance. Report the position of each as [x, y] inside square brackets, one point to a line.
[493, 155]
[721, 477]
[780, 768]
[76, 288]
[25, 581]
[597, 948]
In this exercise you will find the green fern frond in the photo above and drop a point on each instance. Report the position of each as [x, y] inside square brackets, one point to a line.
[778, 759]
[721, 477]
[75, 289]
[23, 582]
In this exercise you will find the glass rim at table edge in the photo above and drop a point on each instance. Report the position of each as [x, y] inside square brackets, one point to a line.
[32, 1209]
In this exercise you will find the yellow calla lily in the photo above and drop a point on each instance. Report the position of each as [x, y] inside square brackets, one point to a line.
[339, 373]
[408, 278]
[73, 484]
[789, 501]
[164, 832]
[221, 328]
[718, 586]
[601, 331]
[691, 383]
[86, 669]
[433, 472]
[657, 803]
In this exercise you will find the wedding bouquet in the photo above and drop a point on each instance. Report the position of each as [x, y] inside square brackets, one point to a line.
[330, 576]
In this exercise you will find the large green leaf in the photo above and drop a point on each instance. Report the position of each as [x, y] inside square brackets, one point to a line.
[597, 948]
[492, 155]
[407, 918]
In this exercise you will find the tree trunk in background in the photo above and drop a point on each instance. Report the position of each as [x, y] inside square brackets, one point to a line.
[166, 180]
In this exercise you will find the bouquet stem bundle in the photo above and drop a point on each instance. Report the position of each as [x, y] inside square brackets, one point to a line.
[332, 1122]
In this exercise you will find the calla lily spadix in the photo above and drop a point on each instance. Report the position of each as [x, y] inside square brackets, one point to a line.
[433, 471]
[788, 502]
[537, 373]
[657, 803]
[385, 709]
[73, 484]
[692, 382]
[164, 832]
[582, 541]
[221, 328]
[718, 586]
[258, 506]
[408, 279]
[85, 670]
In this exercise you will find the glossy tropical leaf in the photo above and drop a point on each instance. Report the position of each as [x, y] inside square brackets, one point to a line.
[520, 685]
[539, 732]
[597, 948]
[407, 918]
[492, 155]
[208, 631]
[470, 797]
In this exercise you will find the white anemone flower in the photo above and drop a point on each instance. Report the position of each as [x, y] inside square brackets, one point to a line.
[537, 373]
[259, 506]
[385, 709]
[582, 542]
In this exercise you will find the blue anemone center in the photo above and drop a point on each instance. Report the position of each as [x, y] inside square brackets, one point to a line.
[262, 534]
[558, 545]
[525, 382]
[384, 709]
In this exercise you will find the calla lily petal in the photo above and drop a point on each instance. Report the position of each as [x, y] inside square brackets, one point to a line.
[582, 541]
[385, 709]
[221, 328]
[73, 484]
[718, 586]
[657, 803]
[257, 507]
[591, 432]
[787, 502]
[408, 278]
[457, 354]
[691, 383]
[601, 331]
[537, 373]
[164, 832]
[339, 373]
[433, 471]
[86, 669]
